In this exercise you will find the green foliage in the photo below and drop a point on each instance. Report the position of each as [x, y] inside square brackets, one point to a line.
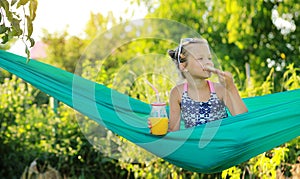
[233, 172]
[236, 33]
[290, 78]
[16, 21]
[267, 164]
[257, 89]
[234, 29]
[29, 131]
[63, 51]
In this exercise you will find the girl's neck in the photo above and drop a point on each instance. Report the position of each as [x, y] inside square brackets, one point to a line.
[198, 84]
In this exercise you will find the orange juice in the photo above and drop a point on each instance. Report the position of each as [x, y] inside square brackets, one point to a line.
[159, 125]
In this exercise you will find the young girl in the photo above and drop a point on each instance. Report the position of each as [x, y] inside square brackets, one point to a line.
[198, 100]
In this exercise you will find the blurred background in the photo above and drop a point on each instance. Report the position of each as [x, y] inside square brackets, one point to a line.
[258, 41]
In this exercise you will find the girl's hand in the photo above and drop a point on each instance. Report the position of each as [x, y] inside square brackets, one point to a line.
[232, 98]
[150, 126]
[225, 78]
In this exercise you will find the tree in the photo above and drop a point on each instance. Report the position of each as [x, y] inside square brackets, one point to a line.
[16, 21]
[260, 33]
[63, 51]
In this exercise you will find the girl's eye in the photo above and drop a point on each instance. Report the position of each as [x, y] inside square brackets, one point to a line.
[202, 58]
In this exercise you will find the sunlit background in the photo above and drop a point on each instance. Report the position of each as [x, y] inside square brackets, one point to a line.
[257, 41]
[72, 16]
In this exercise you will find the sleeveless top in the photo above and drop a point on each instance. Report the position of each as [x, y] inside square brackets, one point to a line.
[195, 113]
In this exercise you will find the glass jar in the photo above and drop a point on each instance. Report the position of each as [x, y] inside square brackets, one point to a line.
[159, 119]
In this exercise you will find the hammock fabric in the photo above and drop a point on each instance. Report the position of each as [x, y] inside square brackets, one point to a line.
[271, 121]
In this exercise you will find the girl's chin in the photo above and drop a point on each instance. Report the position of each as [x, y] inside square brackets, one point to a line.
[208, 74]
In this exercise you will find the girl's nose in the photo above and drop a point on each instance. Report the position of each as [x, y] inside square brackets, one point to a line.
[208, 62]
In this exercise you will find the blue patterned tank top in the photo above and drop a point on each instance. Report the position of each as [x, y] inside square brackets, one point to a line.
[195, 113]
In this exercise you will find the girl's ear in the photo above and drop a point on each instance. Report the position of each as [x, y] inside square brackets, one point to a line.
[182, 66]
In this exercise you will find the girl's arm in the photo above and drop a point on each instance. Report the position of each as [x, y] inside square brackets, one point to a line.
[234, 102]
[174, 102]
[231, 97]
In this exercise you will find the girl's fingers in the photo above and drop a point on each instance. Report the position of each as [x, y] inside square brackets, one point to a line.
[220, 73]
[149, 125]
[214, 70]
[225, 78]
[210, 69]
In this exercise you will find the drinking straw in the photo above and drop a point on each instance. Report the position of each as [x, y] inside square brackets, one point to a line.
[156, 91]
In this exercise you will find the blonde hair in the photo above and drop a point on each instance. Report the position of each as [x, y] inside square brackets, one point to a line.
[183, 49]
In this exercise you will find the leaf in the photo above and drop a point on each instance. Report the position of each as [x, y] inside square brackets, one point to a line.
[6, 7]
[3, 28]
[16, 30]
[13, 2]
[32, 42]
[27, 53]
[15, 23]
[4, 39]
[22, 2]
[13, 33]
[29, 26]
[32, 8]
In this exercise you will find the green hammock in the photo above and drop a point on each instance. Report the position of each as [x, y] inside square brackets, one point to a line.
[271, 121]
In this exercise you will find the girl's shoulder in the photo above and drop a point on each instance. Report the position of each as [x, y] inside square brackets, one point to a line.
[219, 89]
[177, 90]
[217, 85]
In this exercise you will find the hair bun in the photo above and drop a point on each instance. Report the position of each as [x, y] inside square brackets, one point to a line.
[172, 53]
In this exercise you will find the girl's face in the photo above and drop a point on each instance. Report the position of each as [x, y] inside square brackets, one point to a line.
[198, 56]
